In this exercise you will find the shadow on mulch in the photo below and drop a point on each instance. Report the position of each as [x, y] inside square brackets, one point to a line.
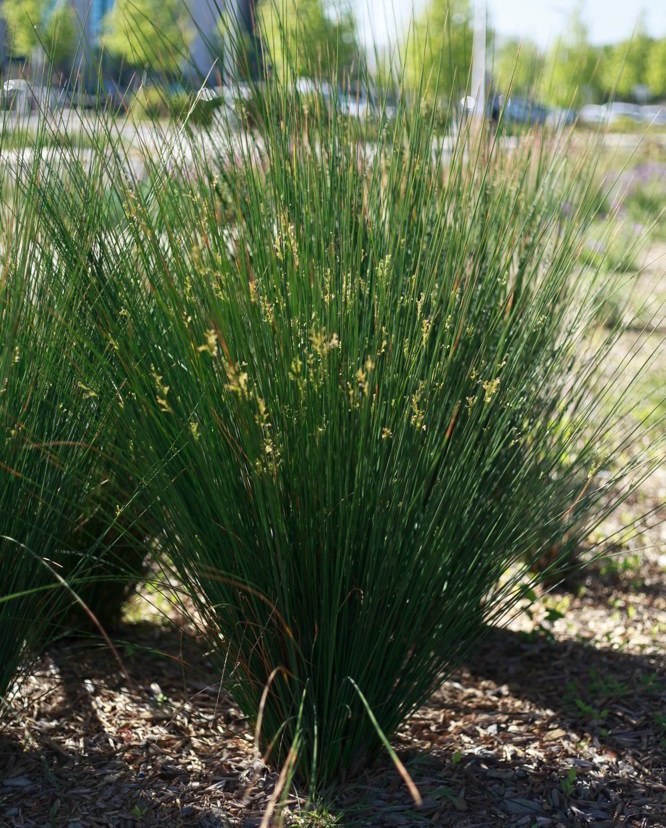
[530, 733]
[105, 746]
[143, 651]
[495, 747]
[51, 786]
[617, 698]
[484, 791]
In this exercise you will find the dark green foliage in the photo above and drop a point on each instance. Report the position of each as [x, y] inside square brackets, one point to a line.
[47, 432]
[60, 428]
[357, 380]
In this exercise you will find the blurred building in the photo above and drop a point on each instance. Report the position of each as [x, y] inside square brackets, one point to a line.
[205, 15]
[91, 14]
[3, 40]
[205, 18]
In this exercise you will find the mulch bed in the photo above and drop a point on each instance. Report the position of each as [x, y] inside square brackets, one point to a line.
[560, 724]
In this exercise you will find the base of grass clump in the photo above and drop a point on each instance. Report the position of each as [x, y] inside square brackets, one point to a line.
[107, 553]
[106, 584]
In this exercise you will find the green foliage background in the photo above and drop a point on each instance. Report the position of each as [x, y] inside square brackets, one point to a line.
[306, 35]
[153, 34]
[34, 24]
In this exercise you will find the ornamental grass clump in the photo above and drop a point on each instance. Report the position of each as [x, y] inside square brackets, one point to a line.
[47, 429]
[356, 379]
[78, 215]
[60, 541]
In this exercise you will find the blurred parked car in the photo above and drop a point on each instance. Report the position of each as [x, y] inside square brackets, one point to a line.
[356, 106]
[592, 114]
[515, 110]
[655, 115]
[619, 111]
[22, 97]
[559, 118]
[309, 87]
[525, 111]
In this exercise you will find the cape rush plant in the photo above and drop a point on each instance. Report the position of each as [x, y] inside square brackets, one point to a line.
[59, 537]
[358, 379]
[47, 427]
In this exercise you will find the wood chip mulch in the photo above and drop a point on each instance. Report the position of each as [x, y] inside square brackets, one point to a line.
[552, 724]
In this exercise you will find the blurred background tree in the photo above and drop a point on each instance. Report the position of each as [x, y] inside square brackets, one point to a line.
[623, 69]
[41, 30]
[655, 75]
[61, 34]
[311, 35]
[571, 76]
[518, 66]
[439, 49]
[575, 71]
[151, 34]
